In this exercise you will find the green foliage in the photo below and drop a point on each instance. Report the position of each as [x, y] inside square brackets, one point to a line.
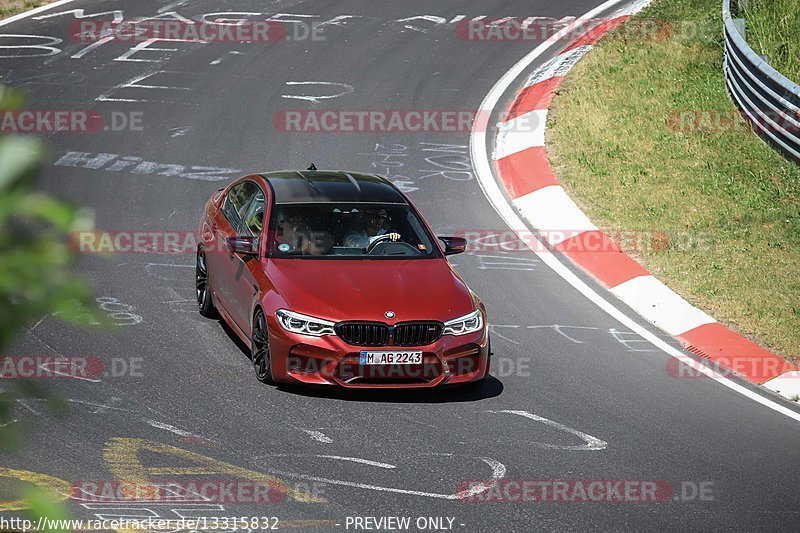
[12, 7]
[43, 504]
[773, 30]
[35, 279]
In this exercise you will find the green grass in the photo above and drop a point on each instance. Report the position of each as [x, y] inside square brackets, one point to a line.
[12, 7]
[773, 29]
[611, 144]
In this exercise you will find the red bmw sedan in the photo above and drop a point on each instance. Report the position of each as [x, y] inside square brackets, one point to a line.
[334, 278]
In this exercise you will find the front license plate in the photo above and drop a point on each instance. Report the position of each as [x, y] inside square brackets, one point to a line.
[391, 358]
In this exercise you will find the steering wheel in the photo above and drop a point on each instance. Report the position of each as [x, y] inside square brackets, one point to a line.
[383, 244]
[376, 242]
[394, 248]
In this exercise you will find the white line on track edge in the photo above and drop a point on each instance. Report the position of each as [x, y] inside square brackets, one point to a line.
[34, 11]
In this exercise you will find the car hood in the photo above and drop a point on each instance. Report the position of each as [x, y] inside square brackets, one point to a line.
[422, 289]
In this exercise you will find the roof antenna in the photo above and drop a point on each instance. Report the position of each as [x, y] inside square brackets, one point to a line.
[312, 167]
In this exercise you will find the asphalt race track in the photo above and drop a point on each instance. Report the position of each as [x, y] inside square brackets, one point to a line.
[574, 395]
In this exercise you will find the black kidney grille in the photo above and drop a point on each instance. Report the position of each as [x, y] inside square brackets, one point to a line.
[363, 333]
[416, 334]
[377, 334]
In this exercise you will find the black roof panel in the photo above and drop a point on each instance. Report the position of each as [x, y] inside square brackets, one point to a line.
[321, 186]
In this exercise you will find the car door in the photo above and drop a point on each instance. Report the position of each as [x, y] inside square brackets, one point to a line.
[243, 279]
[222, 262]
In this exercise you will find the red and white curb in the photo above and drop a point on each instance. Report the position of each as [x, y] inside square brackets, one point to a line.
[524, 171]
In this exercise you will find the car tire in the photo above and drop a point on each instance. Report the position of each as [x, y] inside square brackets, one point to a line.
[259, 349]
[205, 300]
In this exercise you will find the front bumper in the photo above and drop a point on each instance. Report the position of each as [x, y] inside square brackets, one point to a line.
[328, 360]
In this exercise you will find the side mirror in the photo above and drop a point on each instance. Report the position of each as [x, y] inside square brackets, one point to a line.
[243, 245]
[454, 245]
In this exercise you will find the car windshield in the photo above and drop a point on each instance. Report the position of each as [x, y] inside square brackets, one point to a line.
[349, 231]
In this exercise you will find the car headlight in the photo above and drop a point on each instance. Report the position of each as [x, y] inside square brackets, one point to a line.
[304, 324]
[465, 324]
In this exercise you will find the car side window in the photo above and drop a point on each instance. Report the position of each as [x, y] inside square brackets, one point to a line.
[253, 221]
[237, 200]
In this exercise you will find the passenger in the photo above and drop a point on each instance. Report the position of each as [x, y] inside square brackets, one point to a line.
[292, 230]
[372, 228]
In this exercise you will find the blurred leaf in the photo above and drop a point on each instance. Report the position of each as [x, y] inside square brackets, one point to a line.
[35, 280]
[47, 209]
[19, 156]
[45, 504]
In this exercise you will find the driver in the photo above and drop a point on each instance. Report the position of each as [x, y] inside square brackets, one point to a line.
[373, 221]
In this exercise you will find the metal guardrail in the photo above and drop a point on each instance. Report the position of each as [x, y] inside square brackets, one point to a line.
[769, 99]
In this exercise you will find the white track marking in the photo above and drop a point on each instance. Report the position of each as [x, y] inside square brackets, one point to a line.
[47, 46]
[495, 334]
[37, 324]
[357, 460]
[148, 265]
[436, 20]
[135, 83]
[629, 344]
[97, 44]
[334, 457]
[220, 59]
[179, 131]
[498, 472]
[345, 88]
[558, 328]
[144, 46]
[591, 443]
[99, 407]
[32, 12]
[45, 366]
[172, 429]
[79, 13]
[317, 436]
[172, 5]
[24, 403]
[485, 176]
